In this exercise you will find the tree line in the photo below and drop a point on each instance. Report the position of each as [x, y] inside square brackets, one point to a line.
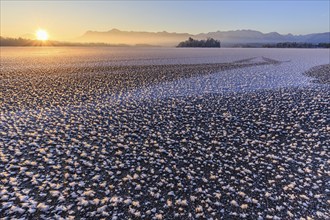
[21, 42]
[297, 45]
[15, 42]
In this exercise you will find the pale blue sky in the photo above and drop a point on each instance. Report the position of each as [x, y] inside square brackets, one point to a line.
[69, 19]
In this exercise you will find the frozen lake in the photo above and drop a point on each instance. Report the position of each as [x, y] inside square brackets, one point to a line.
[163, 133]
[73, 56]
[286, 71]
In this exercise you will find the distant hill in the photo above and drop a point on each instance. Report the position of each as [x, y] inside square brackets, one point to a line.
[227, 38]
[251, 36]
[116, 36]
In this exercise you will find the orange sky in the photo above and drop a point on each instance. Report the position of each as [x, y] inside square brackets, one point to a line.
[67, 20]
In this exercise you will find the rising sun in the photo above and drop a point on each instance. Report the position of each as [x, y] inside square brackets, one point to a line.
[42, 35]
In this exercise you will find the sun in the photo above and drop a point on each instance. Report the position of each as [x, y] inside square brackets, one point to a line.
[42, 35]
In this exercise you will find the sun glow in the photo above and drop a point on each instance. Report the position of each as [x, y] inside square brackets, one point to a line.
[42, 35]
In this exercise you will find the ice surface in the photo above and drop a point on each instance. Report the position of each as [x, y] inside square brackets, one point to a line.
[163, 133]
[287, 73]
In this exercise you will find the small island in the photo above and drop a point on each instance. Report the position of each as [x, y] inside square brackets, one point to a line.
[209, 42]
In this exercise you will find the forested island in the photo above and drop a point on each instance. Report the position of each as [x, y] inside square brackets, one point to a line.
[209, 42]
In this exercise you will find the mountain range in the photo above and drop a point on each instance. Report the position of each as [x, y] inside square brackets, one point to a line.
[227, 38]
